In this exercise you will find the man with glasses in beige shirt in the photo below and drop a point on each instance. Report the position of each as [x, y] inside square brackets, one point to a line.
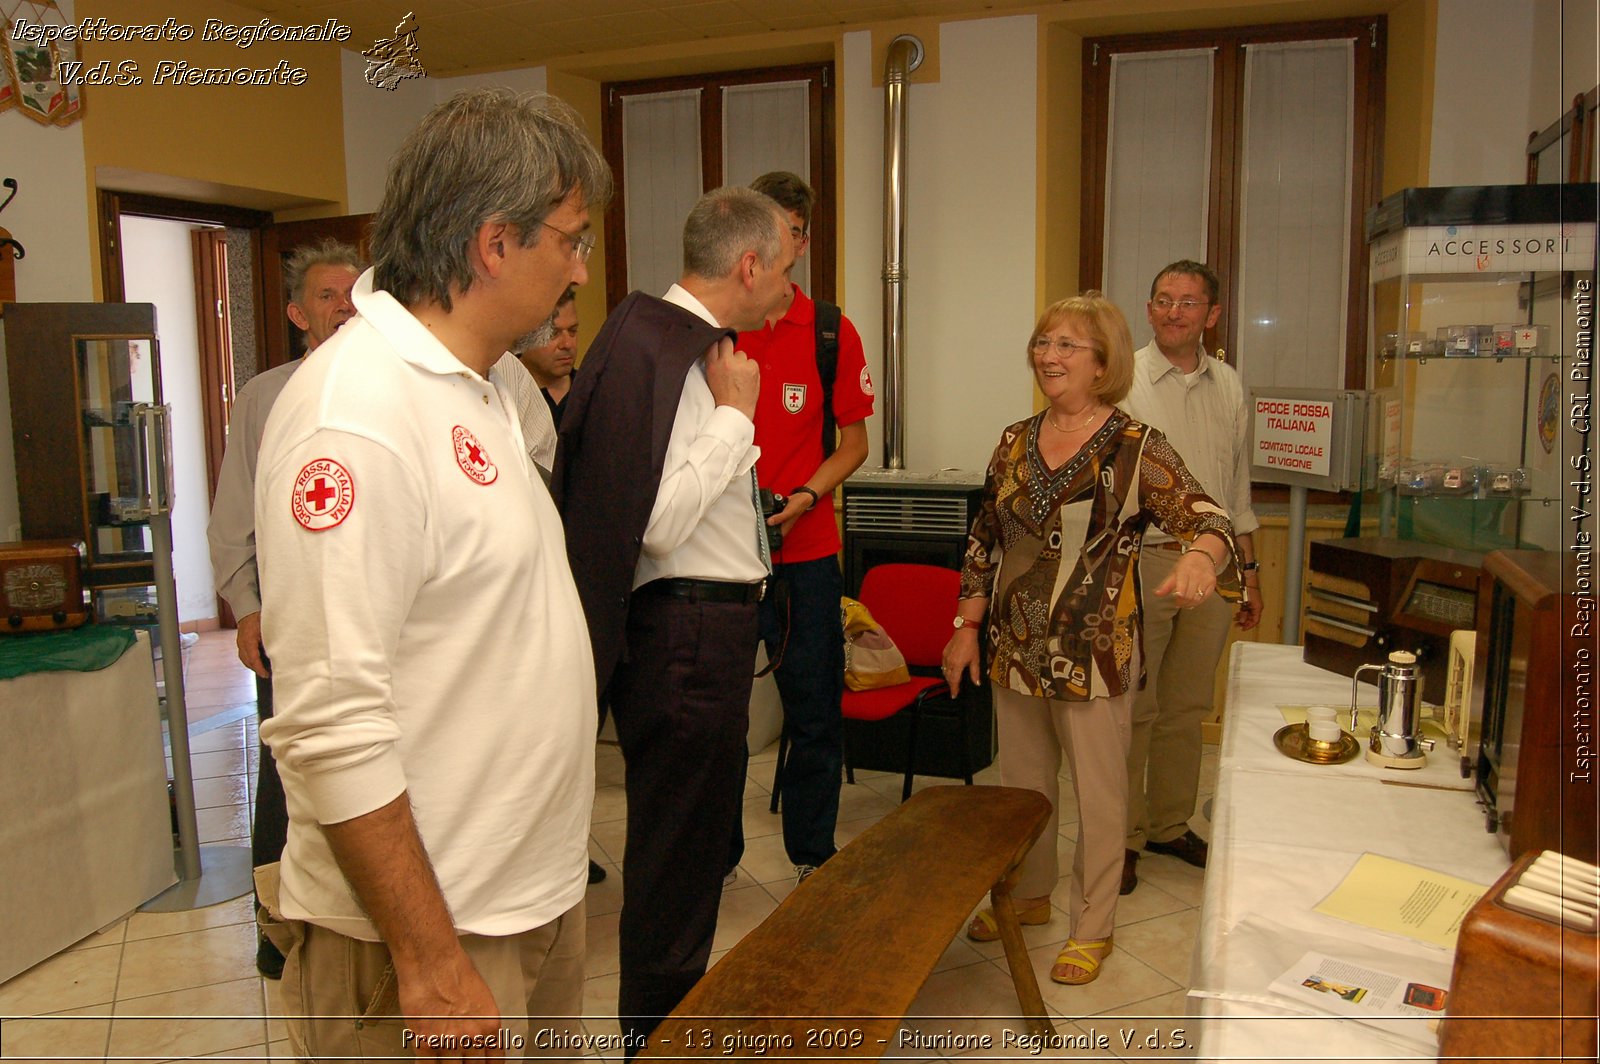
[1199, 403]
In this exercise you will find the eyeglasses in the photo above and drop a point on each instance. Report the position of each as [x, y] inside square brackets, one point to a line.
[1064, 347]
[582, 245]
[1163, 304]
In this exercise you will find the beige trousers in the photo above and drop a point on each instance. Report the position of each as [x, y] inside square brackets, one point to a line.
[341, 998]
[1182, 648]
[1094, 734]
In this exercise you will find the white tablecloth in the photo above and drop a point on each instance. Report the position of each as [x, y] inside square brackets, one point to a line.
[1284, 835]
[85, 830]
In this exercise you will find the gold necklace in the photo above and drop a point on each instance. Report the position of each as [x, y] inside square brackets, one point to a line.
[1094, 412]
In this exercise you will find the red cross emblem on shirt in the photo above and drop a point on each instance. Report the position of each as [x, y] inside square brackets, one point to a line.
[472, 458]
[324, 494]
[320, 495]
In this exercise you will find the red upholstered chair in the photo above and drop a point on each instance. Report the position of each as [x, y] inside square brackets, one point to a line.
[914, 604]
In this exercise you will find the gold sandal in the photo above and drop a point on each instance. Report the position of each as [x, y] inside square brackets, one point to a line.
[984, 929]
[1085, 957]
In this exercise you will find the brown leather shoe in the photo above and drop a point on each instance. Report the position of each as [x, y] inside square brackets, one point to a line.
[1188, 848]
[1130, 872]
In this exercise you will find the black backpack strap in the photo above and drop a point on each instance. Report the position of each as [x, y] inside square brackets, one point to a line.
[827, 326]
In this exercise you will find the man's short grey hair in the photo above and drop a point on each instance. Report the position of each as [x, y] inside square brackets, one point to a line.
[726, 223]
[329, 252]
[484, 156]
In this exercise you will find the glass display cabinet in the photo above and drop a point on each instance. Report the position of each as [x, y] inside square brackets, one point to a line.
[1480, 346]
[91, 439]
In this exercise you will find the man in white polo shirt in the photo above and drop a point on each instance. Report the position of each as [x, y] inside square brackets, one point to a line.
[435, 712]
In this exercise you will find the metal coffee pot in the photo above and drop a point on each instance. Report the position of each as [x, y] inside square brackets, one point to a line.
[1395, 741]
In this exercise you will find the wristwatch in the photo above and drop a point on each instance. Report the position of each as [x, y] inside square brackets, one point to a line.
[815, 498]
[1249, 567]
[962, 622]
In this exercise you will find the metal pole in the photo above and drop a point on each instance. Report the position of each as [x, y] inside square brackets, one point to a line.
[216, 873]
[177, 711]
[905, 55]
[1294, 564]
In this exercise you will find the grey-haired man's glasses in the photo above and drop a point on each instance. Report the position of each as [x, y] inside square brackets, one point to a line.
[582, 244]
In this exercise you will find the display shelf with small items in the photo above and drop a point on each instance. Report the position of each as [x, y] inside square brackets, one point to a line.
[83, 448]
[1474, 323]
[1498, 342]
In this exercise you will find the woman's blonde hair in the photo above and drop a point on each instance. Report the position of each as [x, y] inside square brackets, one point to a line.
[1107, 328]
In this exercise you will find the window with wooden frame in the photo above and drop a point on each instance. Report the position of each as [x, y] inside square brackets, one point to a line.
[670, 140]
[1257, 151]
[1567, 150]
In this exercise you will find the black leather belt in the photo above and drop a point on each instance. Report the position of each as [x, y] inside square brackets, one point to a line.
[705, 590]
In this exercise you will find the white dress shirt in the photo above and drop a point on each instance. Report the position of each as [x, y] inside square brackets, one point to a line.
[232, 528]
[704, 523]
[533, 413]
[1205, 417]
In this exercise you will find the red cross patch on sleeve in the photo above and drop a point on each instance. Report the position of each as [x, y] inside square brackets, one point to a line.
[324, 494]
[472, 458]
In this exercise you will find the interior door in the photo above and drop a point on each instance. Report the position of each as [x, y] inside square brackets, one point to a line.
[283, 342]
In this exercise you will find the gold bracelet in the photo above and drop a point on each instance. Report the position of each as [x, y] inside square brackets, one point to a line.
[1216, 566]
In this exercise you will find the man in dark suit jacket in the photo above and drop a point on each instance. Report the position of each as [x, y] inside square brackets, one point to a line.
[654, 480]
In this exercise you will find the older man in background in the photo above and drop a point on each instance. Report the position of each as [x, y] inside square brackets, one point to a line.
[318, 278]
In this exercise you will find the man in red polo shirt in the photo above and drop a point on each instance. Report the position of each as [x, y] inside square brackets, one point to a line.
[800, 621]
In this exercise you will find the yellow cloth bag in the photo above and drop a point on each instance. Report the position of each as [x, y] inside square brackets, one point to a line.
[871, 660]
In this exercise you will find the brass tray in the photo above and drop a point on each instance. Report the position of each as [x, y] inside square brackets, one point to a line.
[1294, 741]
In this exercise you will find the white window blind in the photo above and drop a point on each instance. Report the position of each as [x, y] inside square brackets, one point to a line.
[1158, 166]
[1294, 264]
[767, 127]
[661, 181]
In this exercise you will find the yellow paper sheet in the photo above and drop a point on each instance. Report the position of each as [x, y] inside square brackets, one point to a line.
[1403, 899]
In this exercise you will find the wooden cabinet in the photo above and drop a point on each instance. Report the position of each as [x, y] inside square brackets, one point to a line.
[82, 377]
[1533, 681]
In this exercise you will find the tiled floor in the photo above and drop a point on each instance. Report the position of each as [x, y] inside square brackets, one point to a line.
[184, 985]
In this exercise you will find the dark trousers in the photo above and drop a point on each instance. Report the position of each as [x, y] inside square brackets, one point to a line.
[271, 829]
[681, 701]
[810, 684]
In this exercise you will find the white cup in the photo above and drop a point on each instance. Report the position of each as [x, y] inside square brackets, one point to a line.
[1322, 723]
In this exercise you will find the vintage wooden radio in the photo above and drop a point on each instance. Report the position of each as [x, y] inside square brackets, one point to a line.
[42, 584]
[1366, 597]
[1533, 684]
[1526, 983]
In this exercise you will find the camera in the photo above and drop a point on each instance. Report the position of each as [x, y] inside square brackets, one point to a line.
[772, 503]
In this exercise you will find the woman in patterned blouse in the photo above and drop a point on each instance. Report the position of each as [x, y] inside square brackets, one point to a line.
[1052, 559]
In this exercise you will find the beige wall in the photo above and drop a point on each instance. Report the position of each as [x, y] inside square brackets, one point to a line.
[283, 140]
[50, 222]
[290, 149]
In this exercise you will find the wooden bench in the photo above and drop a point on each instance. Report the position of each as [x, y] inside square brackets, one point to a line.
[850, 949]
